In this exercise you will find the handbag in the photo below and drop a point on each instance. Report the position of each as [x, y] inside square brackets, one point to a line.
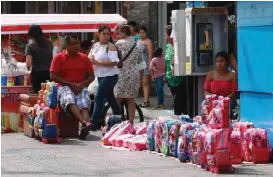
[93, 87]
[120, 63]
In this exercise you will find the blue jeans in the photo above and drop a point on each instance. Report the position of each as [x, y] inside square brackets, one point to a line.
[105, 92]
[159, 84]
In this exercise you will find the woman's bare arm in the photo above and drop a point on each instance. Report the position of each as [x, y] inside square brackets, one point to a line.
[234, 80]
[233, 62]
[150, 49]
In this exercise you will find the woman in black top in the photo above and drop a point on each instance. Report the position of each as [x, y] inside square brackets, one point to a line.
[38, 57]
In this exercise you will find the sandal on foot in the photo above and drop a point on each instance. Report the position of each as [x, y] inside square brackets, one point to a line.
[145, 104]
[85, 130]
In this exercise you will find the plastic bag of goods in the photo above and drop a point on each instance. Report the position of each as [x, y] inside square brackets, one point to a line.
[138, 143]
[125, 128]
[141, 128]
[119, 140]
[105, 139]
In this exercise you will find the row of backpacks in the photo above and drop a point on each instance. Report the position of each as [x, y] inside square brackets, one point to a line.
[211, 141]
[208, 140]
[42, 118]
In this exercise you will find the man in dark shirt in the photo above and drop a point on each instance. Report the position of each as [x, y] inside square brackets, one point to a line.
[74, 72]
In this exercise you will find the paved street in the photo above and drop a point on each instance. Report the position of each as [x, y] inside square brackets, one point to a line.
[25, 157]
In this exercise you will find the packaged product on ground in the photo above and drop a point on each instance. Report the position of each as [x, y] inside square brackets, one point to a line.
[105, 139]
[125, 128]
[127, 142]
[119, 140]
[158, 135]
[141, 128]
[138, 143]
[217, 149]
[255, 146]
[193, 147]
[165, 134]
[151, 135]
[173, 139]
[182, 149]
[236, 147]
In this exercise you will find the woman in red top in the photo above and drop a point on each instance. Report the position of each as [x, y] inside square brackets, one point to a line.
[221, 81]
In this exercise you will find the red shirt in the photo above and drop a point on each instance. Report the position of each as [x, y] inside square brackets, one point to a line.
[220, 87]
[72, 69]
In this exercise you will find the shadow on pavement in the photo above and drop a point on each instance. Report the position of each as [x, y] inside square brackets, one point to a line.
[93, 138]
[248, 171]
[72, 141]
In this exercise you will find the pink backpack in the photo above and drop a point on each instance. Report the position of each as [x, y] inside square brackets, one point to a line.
[242, 126]
[193, 147]
[218, 119]
[260, 146]
[236, 147]
[217, 150]
[158, 135]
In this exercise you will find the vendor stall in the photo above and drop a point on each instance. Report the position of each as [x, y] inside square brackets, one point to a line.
[13, 69]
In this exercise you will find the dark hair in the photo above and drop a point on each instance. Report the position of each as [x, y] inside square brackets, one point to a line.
[35, 32]
[104, 27]
[142, 27]
[86, 44]
[125, 29]
[158, 52]
[168, 30]
[224, 55]
[132, 23]
[67, 38]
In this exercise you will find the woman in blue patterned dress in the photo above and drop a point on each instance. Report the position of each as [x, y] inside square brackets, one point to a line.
[147, 47]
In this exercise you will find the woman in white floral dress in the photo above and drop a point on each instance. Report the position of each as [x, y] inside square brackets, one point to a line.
[129, 76]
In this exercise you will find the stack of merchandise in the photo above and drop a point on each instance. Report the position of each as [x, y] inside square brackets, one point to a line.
[42, 117]
[209, 140]
[254, 143]
[124, 134]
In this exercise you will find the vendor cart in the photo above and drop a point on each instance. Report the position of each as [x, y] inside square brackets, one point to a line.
[13, 24]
